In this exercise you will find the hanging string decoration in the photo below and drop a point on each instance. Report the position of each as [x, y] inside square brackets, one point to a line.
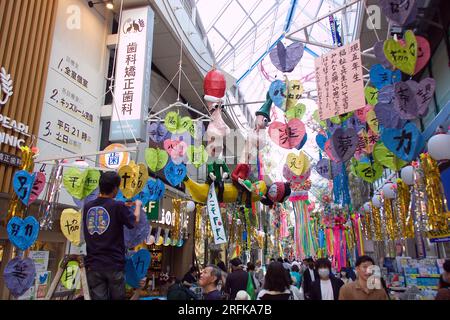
[376, 217]
[405, 214]
[48, 205]
[390, 219]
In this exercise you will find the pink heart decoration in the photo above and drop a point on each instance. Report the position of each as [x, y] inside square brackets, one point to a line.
[38, 186]
[287, 135]
[329, 151]
[176, 150]
[423, 53]
[291, 177]
[361, 113]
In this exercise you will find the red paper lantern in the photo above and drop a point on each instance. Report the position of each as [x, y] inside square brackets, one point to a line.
[214, 85]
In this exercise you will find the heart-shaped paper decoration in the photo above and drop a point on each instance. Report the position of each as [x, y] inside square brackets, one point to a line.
[368, 172]
[371, 95]
[361, 113]
[344, 143]
[70, 223]
[136, 267]
[406, 143]
[366, 141]
[70, 278]
[137, 235]
[23, 232]
[379, 54]
[384, 156]
[291, 177]
[175, 124]
[296, 112]
[277, 92]
[142, 178]
[80, 184]
[412, 99]
[288, 135]
[387, 116]
[175, 174]
[176, 149]
[286, 58]
[423, 53]
[81, 203]
[19, 275]
[302, 143]
[294, 92]
[387, 94]
[380, 76]
[316, 118]
[328, 169]
[372, 121]
[353, 122]
[156, 159]
[402, 57]
[330, 151]
[187, 125]
[298, 164]
[128, 179]
[157, 132]
[28, 186]
[321, 140]
[156, 189]
[197, 155]
[399, 10]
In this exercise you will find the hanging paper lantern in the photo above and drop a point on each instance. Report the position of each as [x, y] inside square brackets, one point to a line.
[376, 201]
[366, 207]
[407, 175]
[214, 86]
[389, 190]
[439, 147]
[190, 206]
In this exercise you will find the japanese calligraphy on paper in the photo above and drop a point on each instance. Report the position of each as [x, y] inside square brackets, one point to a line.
[215, 217]
[340, 85]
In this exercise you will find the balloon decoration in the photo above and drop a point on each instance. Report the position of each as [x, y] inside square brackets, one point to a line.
[439, 146]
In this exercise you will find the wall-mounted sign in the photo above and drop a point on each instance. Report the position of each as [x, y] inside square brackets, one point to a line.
[152, 210]
[133, 73]
[10, 159]
[12, 126]
[6, 87]
[114, 159]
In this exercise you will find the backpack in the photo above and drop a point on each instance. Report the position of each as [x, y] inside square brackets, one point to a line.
[180, 292]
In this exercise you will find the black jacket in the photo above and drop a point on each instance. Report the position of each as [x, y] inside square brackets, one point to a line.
[307, 282]
[236, 281]
[316, 292]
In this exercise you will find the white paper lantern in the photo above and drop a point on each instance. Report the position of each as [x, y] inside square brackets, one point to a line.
[190, 206]
[439, 147]
[407, 175]
[389, 190]
[376, 200]
[366, 207]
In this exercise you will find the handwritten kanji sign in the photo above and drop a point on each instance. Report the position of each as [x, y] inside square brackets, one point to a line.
[215, 217]
[340, 85]
[28, 186]
[23, 232]
[19, 275]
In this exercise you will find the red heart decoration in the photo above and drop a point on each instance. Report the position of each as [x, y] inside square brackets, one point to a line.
[175, 148]
[329, 151]
[287, 135]
[361, 113]
[423, 52]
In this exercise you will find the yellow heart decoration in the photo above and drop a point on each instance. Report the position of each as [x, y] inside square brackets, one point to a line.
[294, 92]
[403, 57]
[141, 179]
[129, 176]
[298, 164]
[372, 121]
[70, 222]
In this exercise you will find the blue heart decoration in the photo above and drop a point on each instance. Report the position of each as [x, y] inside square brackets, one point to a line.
[157, 132]
[305, 138]
[43, 278]
[175, 174]
[121, 197]
[320, 140]
[155, 189]
[406, 143]
[19, 275]
[277, 92]
[23, 232]
[136, 267]
[380, 76]
[142, 196]
[81, 203]
[387, 94]
[135, 236]
[23, 184]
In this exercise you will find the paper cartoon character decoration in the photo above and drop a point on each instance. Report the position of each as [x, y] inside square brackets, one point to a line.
[197, 155]
[70, 223]
[217, 130]
[176, 124]
[287, 135]
[286, 59]
[344, 143]
[28, 186]
[412, 99]
[19, 275]
[406, 143]
[175, 174]
[133, 178]
[298, 164]
[294, 93]
[158, 132]
[328, 169]
[156, 158]
[399, 11]
[136, 267]
[384, 156]
[381, 76]
[23, 232]
[368, 172]
[277, 92]
[214, 86]
[80, 184]
[402, 56]
[115, 159]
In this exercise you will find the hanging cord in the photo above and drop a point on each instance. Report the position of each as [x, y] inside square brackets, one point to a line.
[180, 63]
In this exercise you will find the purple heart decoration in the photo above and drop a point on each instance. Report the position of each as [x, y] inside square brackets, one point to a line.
[378, 50]
[344, 142]
[424, 93]
[328, 169]
[157, 132]
[386, 94]
[387, 116]
[139, 233]
[399, 11]
[355, 123]
[284, 58]
[381, 76]
[19, 275]
[406, 143]
[412, 99]
[331, 127]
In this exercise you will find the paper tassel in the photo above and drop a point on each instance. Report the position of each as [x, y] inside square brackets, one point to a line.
[405, 215]
[376, 218]
[390, 220]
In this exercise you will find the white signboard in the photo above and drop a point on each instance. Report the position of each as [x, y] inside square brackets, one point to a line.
[40, 259]
[70, 119]
[215, 218]
[133, 73]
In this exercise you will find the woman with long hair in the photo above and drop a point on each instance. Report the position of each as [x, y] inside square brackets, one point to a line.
[276, 283]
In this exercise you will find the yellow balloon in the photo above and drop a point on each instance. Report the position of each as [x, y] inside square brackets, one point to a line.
[70, 223]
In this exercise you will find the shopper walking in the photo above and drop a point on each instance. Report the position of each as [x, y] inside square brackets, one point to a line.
[358, 289]
[209, 280]
[103, 221]
[309, 276]
[296, 276]
[344, 276]
[327, 286]
[236, 280]
[259, 273]
[252, 272]
[444, 283]
[276, 284]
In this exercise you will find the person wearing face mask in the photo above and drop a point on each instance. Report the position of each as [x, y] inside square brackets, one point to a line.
[327, 286]
[344, 277]
[309, 276]
[358, 290]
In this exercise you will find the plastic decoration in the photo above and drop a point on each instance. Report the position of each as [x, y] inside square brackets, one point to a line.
[376, 218]
[404, 214]
[402, 56]
[390, 217]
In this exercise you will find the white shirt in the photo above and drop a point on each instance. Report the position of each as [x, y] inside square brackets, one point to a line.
[327, 290]
[311, 273]
[298, 295]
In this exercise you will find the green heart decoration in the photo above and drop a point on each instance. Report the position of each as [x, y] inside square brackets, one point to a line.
[384, 156]
[297, 111]
[336, 120]
[368, 172]
[371, 95]
[80, 184]
[175, 124]
[197, 155]
[403, 57]
[322, 123]
[156, 159]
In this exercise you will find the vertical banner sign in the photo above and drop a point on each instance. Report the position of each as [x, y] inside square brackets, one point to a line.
[133, 73]
[215, 217]
[340, 85]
